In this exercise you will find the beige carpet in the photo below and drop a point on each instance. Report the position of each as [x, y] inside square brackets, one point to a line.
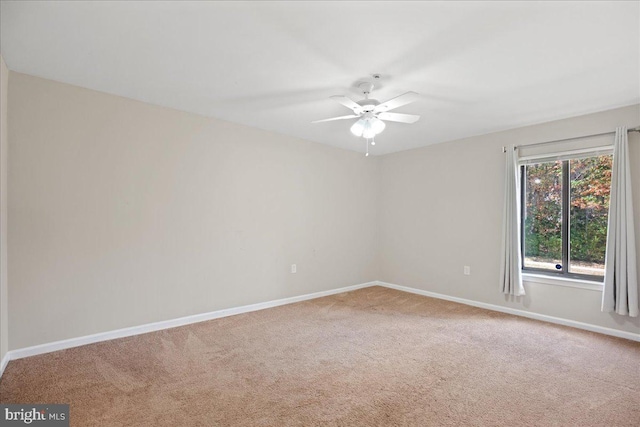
[372, 357]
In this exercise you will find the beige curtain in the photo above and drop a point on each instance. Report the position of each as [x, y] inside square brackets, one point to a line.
[621, 277]
[511, 262]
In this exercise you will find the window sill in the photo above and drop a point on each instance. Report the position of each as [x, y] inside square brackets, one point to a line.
[562, 281]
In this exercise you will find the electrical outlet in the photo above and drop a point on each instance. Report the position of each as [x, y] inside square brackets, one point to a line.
[467, 270]
[294, 269]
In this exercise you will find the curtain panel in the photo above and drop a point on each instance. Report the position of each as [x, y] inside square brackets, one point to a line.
[511, 261]
[621, 277]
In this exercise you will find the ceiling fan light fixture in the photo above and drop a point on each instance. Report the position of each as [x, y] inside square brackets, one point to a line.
[368, 127]
[377, 125]
[358, 128]
[368, 132]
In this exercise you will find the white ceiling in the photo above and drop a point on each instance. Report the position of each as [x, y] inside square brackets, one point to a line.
[479, 66]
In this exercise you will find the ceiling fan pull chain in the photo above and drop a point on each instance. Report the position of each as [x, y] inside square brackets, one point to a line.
[367, 144]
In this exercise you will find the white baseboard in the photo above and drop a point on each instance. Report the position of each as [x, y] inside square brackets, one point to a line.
[166, 324]
[515, 311]
[3, 363]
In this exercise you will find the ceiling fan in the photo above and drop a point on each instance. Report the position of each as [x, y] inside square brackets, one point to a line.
[371, 112]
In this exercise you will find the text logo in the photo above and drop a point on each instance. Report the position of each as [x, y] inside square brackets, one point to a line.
[34, 415]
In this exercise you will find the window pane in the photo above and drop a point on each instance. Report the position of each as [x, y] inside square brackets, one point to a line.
[543, 216]
[590, 186]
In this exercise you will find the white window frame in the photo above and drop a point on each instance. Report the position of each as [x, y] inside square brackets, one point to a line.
[535, 276]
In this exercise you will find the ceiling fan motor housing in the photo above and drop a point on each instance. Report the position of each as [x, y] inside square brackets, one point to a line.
[368, 104]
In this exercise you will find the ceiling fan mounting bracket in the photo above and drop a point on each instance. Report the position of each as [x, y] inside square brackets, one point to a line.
[366, 88]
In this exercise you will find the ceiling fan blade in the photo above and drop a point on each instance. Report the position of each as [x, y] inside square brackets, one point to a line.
[353, 116]
[396, 102]
[348, 103]
[397, 117]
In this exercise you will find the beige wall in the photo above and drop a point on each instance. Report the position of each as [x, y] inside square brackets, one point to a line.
[441, 209]
[124, 213]
[4, 144]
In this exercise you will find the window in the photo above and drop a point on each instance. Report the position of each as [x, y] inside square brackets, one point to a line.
[565, 205]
